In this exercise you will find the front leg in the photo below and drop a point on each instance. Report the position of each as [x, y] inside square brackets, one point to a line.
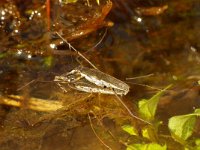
[62, 88]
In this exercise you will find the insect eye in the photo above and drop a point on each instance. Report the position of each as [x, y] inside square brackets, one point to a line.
[70, 79]
[104, 86]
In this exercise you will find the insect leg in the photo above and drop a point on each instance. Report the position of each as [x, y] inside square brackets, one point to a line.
[129, 111]
[27, 84]
[80, 54]
[62, 88]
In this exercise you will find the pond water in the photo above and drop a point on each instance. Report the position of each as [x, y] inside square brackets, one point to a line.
[125, 39]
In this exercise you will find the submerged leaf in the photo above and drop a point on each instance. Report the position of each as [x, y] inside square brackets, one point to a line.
[197, 142]
[67, 1]
[197, 148]
[48, 61]
[2, 55]
[151, 146]
[149, 133]
[147, 108]
[182, 126]
[197, 112]
[130, 129]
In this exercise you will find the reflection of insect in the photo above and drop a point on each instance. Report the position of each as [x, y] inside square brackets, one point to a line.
[93, 81]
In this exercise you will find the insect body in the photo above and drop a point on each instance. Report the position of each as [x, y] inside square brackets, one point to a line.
[93, 81]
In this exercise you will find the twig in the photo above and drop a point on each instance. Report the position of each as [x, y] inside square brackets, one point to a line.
[33, 103]
[43, 105]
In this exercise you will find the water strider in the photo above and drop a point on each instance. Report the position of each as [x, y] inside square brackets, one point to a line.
[93, 81]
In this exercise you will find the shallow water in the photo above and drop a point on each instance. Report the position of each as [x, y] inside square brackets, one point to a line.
[165, 45]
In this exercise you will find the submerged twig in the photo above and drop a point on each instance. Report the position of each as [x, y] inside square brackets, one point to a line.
[37, 104]
[151, 11]
[33, 103]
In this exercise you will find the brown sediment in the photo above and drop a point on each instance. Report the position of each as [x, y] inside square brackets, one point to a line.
[91, 25]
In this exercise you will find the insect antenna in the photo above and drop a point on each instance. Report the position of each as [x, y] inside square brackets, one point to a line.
[80, 54]
[27, 84]
[98, 43]
[139, 77]
[144, 85]
[31, 82]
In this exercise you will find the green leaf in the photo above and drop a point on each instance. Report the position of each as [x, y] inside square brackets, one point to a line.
[130, 129]
[197, 112]
[21, 45]
[147, 108]
[197, 148]
[2, 55]
[149, 133]
[181, 127]
[197, 142]
[151, 146]
[48, 61]
[145, 133]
